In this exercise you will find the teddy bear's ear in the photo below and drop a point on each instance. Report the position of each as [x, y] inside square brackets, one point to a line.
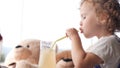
[63, 55]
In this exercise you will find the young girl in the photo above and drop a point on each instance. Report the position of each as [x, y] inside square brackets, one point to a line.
[100, 18]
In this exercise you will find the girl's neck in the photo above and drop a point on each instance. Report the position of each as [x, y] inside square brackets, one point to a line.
[104, 34]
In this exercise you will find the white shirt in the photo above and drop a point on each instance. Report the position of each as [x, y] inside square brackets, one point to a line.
[108, 49]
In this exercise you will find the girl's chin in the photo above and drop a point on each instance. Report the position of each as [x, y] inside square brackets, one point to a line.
[87, 36]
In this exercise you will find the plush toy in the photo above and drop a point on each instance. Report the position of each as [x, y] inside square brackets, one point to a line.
[24, 55]
[64, 60]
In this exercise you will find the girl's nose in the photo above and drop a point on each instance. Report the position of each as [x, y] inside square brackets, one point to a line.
[80, 23]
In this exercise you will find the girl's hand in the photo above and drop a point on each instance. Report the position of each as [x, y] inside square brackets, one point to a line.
[71, 32]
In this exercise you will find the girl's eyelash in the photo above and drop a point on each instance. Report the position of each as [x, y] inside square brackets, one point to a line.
[83, 17]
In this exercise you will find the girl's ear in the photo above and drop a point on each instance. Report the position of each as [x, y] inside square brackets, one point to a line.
[103, 18]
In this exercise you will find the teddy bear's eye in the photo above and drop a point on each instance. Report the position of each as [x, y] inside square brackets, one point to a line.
[18, 46]
[28, 46]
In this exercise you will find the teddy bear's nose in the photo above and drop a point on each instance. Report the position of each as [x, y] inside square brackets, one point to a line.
[18, 46]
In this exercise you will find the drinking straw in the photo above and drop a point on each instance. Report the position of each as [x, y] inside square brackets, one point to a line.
[61, 38]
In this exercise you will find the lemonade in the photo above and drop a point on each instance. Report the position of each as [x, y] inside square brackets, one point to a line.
[47, 58]
[47, 54]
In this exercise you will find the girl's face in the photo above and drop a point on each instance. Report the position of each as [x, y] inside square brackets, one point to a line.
[90, 25]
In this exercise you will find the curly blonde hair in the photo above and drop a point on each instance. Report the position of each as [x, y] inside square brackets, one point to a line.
[112, 8]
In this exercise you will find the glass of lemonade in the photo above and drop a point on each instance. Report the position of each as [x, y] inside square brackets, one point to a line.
[47, 57]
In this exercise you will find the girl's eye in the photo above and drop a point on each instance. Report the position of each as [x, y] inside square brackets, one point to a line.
[83, 17]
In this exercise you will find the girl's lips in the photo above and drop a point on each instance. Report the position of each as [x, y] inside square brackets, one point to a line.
[81, 30]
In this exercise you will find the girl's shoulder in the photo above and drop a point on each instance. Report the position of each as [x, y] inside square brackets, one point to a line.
[110, 39]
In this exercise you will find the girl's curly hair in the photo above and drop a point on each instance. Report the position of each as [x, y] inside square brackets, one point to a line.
[112, 8]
